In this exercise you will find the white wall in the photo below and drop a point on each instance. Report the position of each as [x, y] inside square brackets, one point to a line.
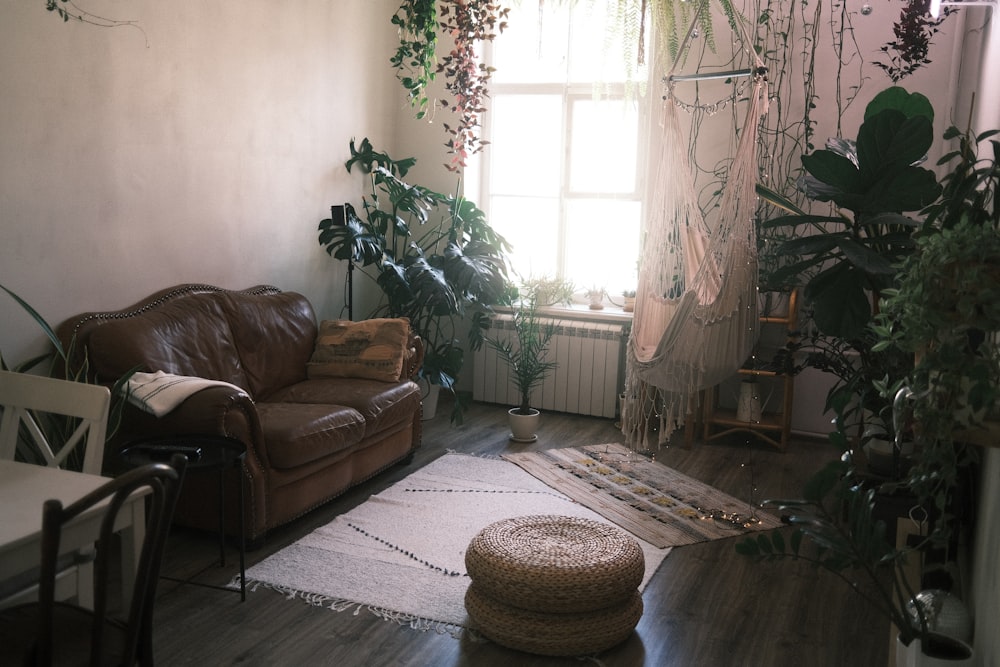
[202, 146]
[984, 590]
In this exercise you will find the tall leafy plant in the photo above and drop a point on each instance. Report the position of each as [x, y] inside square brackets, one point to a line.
[835, 529]
[61, 362]
[845, 259]
[435, 257]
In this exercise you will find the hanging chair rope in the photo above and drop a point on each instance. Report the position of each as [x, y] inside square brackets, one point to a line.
[695, 319]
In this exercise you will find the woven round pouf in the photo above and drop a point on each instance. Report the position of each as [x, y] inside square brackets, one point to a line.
[555, 563]
[553, 634]
[554, 585]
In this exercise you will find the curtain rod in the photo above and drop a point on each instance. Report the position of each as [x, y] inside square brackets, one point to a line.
[761, 71]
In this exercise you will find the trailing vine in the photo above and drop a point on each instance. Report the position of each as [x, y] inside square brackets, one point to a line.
[69, 11]
[415, 59]
[469, 22]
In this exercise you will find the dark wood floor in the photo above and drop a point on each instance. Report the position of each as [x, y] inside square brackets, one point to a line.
[706, 606]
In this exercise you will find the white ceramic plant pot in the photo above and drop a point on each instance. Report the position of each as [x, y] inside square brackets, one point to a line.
[948, 653]
[429, 397]
[523, 428]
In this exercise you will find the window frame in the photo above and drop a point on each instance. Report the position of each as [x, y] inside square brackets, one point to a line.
[570, 95]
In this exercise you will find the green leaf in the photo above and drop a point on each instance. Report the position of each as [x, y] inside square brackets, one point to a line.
[812, 244]
[778, 200]
[834, 170]
[899, 99]
[864, 258]
[841, 306]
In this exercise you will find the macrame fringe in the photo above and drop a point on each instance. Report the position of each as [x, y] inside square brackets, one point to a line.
[695, 319]
[334, 604]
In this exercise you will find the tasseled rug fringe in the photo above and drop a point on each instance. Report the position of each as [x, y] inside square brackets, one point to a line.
[340, 605]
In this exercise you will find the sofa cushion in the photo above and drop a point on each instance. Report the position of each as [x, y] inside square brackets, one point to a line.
[274, 335]
[372, 349]
[379, 403]
[299, 433]
[187, 337]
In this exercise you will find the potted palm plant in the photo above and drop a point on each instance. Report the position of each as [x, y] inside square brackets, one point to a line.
[525, 355]
[435, 257]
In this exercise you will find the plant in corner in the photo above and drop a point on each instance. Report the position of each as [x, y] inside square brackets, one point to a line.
[525, 355]
[851, 256]
[945, 310]
[434, 256]
[944, 304]
[835, 529]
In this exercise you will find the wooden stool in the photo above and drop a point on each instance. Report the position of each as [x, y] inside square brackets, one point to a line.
[554, 585]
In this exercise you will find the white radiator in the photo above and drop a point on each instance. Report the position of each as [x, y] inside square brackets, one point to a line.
[587, 381]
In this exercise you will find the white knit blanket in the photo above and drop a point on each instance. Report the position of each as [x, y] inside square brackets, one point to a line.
[160, 392]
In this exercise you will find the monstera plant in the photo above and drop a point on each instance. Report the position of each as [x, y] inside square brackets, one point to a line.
[434, 256]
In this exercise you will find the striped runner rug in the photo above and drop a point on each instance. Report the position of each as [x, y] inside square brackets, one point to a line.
[653, 502]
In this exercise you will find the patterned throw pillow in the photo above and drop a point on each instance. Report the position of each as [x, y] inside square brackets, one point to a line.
[372, 349]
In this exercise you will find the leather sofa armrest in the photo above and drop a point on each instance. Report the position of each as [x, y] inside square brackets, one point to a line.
[414, 357]
[212, 411]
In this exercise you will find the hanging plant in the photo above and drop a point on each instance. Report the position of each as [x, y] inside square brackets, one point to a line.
[415, 59]
[914, 30]
[469, 23]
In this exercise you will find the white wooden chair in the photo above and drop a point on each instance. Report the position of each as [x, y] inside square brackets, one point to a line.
[23, 398]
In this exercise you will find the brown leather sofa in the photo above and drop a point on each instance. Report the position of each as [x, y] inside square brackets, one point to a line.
[307, 440]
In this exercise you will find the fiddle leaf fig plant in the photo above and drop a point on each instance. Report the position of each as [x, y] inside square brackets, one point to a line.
[435, 257]
[849, 257]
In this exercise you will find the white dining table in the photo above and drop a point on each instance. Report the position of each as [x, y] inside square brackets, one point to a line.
[25, 487]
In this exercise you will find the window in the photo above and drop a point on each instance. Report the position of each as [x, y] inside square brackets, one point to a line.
[561, 178]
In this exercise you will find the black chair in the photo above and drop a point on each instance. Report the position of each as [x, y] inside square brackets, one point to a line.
[47, 632]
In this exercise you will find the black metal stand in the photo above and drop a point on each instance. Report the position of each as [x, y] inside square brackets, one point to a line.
[338, 214]
[201, 451]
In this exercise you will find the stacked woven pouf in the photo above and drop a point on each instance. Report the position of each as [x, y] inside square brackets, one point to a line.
[554, 585]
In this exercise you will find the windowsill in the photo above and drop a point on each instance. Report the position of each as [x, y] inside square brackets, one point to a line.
[582, 312]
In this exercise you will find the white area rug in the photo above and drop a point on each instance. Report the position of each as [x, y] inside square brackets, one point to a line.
[401, 554]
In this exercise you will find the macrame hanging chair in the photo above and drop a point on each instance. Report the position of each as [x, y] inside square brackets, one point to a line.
[695, 319]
